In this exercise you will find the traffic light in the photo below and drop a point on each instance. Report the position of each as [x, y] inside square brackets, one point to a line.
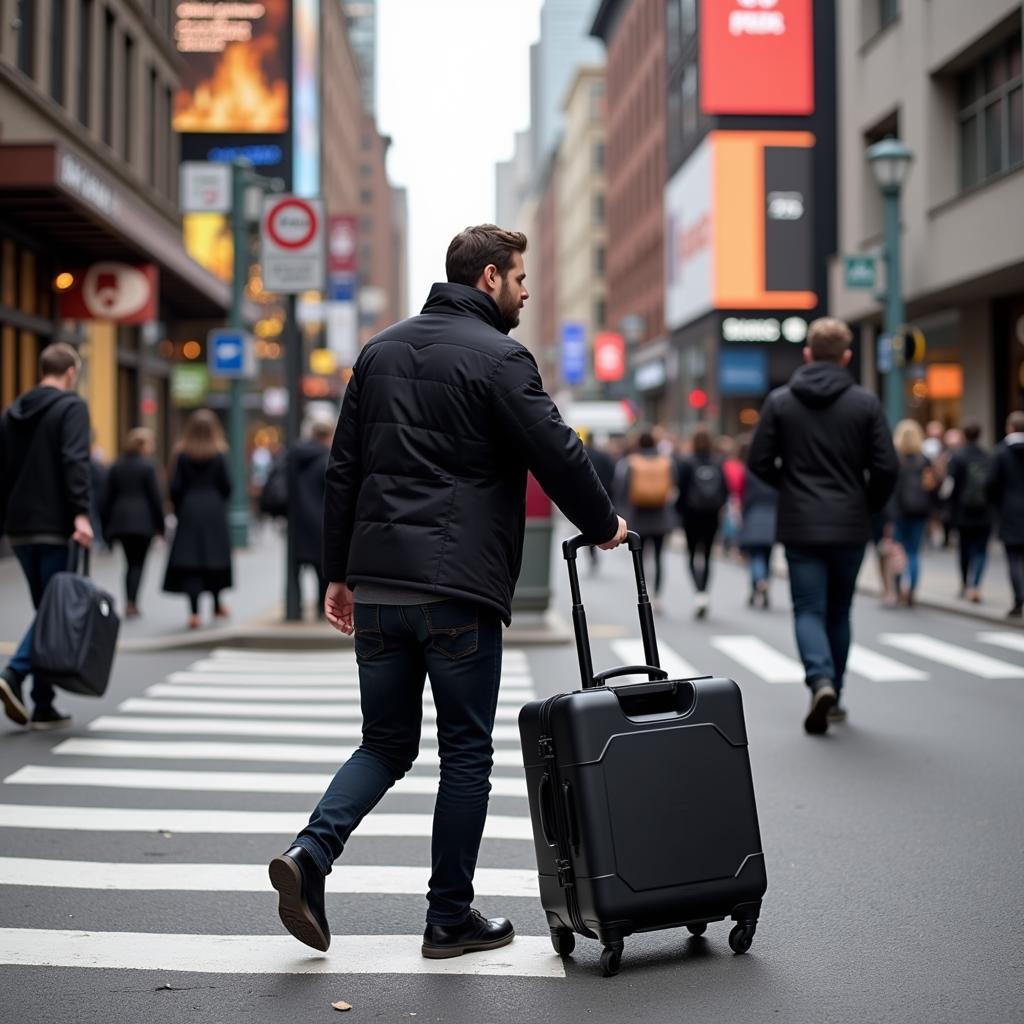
[908, 345]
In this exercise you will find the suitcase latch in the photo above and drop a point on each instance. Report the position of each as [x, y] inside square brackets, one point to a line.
[546, 746]
[565, 875]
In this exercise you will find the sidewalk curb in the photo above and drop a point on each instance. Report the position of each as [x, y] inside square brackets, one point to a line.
[952, 607]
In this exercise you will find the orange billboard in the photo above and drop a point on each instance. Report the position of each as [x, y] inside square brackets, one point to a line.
[236, 67]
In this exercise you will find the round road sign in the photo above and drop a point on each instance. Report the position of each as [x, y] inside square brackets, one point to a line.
[291, 224]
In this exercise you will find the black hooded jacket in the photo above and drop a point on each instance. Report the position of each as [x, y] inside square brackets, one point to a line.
[426, 483]
[1006, 488]
[823, 442]
[44, 464]
[308, 464]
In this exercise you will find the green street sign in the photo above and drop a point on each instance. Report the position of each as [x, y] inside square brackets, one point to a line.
[190, 384]
[860, 272]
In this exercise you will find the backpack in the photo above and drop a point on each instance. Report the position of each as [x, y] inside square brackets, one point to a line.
[650, 481]
[706, 492]
[974, 496]
[915, 500]
[274, 496]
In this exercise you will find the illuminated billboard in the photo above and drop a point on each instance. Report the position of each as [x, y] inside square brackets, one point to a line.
[757, 57]
[237, 66]
[739, 226]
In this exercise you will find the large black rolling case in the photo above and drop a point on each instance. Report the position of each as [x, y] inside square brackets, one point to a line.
[641, 799]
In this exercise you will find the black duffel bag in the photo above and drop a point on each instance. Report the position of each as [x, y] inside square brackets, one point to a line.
[75, 634]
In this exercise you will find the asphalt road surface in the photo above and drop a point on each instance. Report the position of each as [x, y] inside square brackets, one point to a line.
[133, 848]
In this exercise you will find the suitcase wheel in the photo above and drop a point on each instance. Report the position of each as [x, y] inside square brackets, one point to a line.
[697, 929]
[563, 940]
[611, 960]
[741, 937]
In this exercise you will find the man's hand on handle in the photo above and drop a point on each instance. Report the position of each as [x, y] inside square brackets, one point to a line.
[83, 532]
[619, 537]
[338, 605]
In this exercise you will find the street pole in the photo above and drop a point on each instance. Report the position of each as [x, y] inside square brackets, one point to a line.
[894, 398]
[293, 355]
[238, 511]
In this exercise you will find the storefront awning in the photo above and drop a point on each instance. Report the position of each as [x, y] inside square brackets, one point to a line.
[54, 194]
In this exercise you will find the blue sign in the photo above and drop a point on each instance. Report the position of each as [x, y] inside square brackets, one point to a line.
[230, 353]
[258, 156]
[742, 371]
[341, 288]
[574, 353]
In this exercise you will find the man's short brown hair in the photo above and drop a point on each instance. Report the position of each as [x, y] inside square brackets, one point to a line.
[828, 338]
[1015, 422]
[55, 360]
[476, 248]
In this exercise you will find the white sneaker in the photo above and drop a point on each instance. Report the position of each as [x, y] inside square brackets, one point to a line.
[700, 606]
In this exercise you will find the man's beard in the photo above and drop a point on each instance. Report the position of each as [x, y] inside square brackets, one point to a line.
[508, 306]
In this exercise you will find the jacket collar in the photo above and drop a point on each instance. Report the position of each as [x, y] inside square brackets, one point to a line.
[463, 300]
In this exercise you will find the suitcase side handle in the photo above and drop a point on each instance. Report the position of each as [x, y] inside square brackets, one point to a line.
[579, 615]
[544, 802]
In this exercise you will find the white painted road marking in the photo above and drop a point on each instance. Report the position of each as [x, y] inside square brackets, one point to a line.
[300, 753]
[224, 782]
[157, 725]
[1011, 641]
[155, 819]
[760, 658]
[953, 656]
[879, 668]
[513, 684]
[631, 652]
[346, 878]
[527, 956]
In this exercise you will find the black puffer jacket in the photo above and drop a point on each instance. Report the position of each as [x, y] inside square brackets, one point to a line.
[44, 464]
[1006, 488]
[823, 442]
[426, 483]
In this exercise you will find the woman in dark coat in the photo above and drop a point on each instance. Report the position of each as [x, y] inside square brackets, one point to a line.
[757, 534]
[200, 558]
[308, 468]
[133, 510]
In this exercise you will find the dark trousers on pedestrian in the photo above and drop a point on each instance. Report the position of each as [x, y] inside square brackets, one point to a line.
[910, 533]
[973, 553]
[135, 551]
[654, 543]
[760, 560]
[822, 579]
[39, 562]
[1015, 563]
[458, 644]
[700, 530]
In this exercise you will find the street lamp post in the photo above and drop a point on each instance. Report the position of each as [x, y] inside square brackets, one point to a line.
[890, 162]
[238, 513]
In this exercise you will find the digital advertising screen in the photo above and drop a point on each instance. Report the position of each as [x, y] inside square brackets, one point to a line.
[237, 67]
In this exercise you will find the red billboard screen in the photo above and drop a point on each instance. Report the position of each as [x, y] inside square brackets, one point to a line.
[757, 57]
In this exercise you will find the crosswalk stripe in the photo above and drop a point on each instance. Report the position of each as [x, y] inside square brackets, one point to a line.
[290, 667]
[953, 656]
[337, 682]
[527, 956]
[510, 654]
[346, 709]
[299, 753]
[631, 652]
[378, 879]
[760, 658]
[245, 727]
[166, 819]
[1011, 641]
[879, 668]
[224, 782]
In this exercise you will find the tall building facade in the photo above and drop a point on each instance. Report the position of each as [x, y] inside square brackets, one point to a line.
[581, 242]
[89, 178]
[945, 78]
[633, 32]
[362, 33]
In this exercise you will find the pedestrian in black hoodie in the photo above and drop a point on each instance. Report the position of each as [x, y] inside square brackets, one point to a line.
[44, 503]
[307, 466]
[424, 517]
[823, 442]
[1006, 492]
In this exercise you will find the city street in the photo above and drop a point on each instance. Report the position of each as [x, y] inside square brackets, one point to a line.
[133, 848]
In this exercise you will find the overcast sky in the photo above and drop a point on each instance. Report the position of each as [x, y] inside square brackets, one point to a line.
[453, 86]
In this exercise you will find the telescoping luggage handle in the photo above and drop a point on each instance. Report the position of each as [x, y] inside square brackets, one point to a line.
[579, 618]
[78, 556]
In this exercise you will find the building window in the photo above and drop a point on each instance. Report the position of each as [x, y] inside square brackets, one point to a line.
[991, 114]
[27, 36]
[84, 60]
[151, 101]
[366, 197]
[107, 61]
[600, 314]
[599, 260]
[598, 156]
[366, 225]
[365, 170]
[888, 12]
[170, 182]
[57, 50]
[690, 111]
[129, 79]
[673, 25]
[599, 208]
[689, 18]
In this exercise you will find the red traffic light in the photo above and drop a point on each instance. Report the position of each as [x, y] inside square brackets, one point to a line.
[698, 398]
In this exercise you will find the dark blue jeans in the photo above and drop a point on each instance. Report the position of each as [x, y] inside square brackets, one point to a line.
[822, 579]
[39, 562]
[910, 533]
[973, 553]
[459, 645]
